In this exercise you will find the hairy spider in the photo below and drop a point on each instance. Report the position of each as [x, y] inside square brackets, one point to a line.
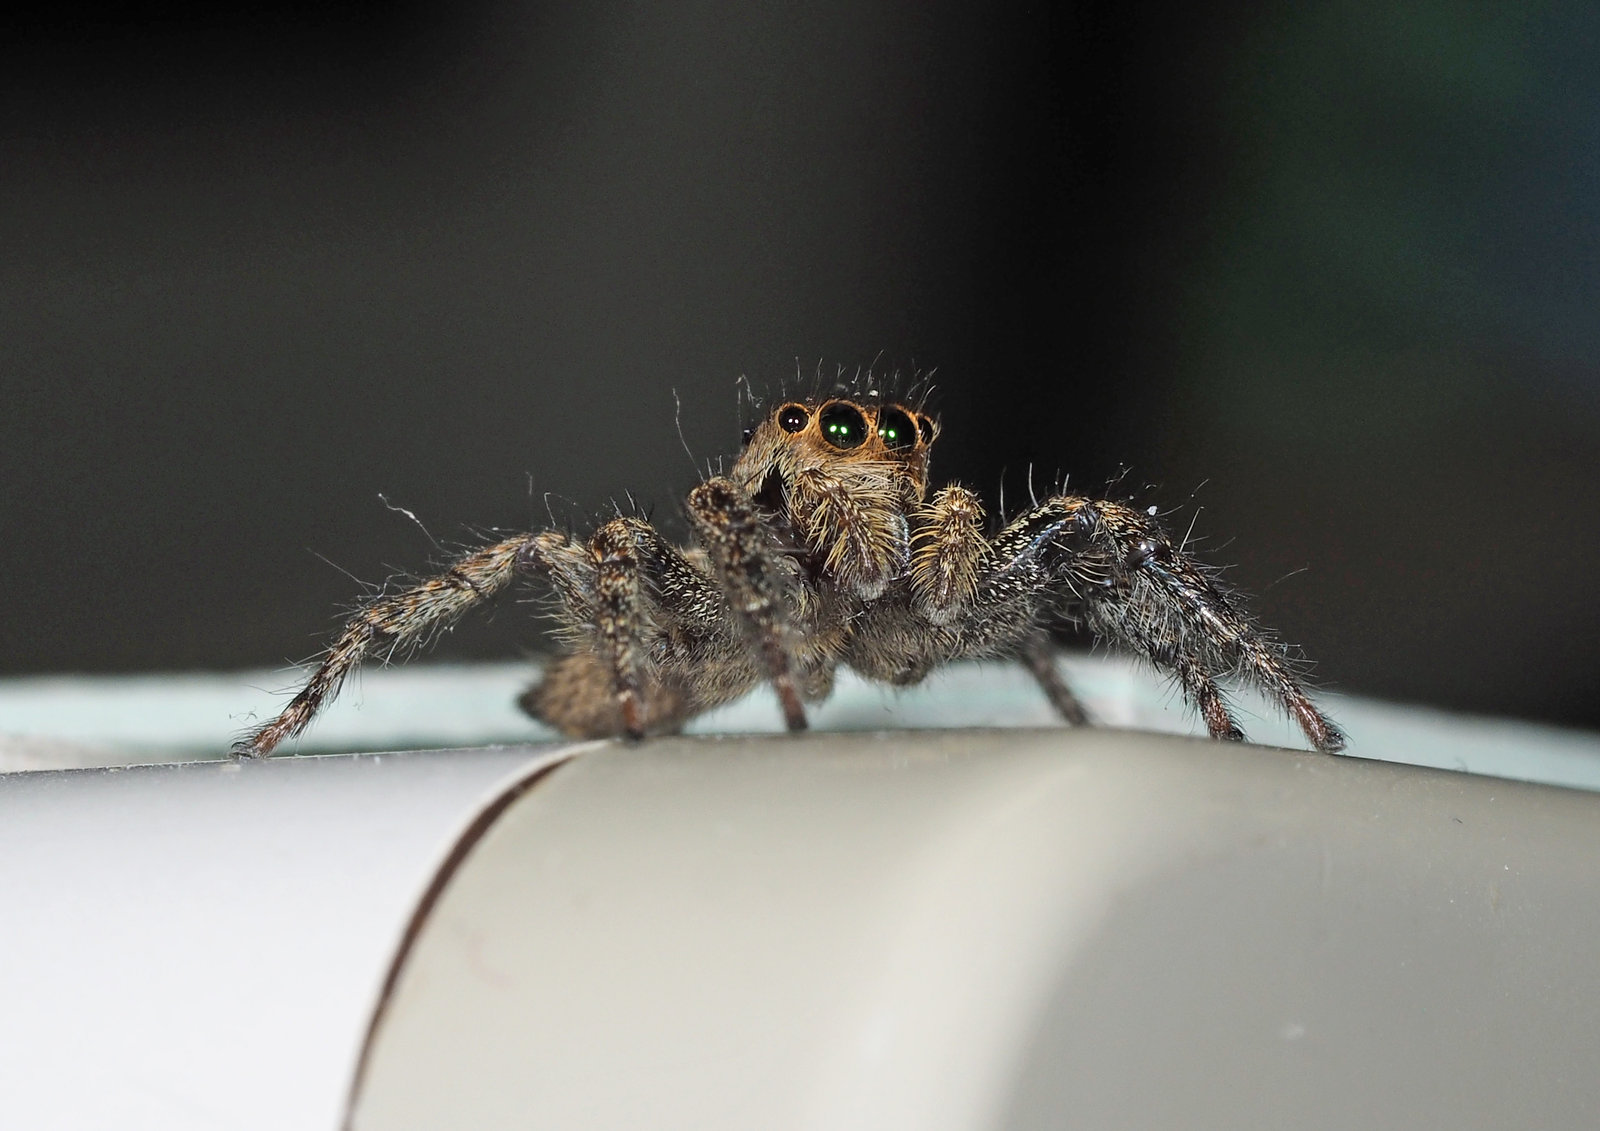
[820, 547]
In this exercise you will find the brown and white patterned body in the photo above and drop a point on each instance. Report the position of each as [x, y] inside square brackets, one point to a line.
[820, 548]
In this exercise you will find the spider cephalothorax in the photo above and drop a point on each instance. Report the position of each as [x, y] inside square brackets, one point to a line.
[820, 547]
[839, 480]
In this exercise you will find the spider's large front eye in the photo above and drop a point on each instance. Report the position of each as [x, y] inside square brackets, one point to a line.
[792, 418]
[896, 429]
[843, 425]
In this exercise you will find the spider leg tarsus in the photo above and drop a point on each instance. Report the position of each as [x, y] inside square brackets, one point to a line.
[1207, 696]
[1323, 732]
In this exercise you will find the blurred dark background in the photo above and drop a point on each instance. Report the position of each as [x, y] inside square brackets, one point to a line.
[1327, 270]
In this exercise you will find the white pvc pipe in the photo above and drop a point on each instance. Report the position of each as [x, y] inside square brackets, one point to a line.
[201, 946]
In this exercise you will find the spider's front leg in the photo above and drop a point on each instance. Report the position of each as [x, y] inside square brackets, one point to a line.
[396, 622]
[730, 529]
[953, 570]
[647, 629]
[1136, 588]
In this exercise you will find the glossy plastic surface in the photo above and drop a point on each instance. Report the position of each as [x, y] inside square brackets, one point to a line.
[966, 930]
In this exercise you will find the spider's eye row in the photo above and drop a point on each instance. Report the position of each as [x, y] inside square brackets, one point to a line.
[925, 426]
[843, 425]
[792, 418]
[896, 429]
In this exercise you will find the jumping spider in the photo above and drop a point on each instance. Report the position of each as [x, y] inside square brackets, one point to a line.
[818, 548]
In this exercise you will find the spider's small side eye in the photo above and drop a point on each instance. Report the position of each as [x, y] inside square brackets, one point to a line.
[896, 429]
[792, 418]
[925, 428]
[843, 425]
[746, 436]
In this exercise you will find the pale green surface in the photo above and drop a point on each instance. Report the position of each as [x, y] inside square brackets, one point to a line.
[52, 721]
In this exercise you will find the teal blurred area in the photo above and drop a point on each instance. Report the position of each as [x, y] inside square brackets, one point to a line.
[58, 722]
[1319, 278]
[1388, 329]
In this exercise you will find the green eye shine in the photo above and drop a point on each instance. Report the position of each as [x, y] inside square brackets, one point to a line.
[843, 426]
[896, 429]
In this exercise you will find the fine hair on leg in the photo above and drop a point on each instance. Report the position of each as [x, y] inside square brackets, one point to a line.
[401, 621]
[730, 529]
